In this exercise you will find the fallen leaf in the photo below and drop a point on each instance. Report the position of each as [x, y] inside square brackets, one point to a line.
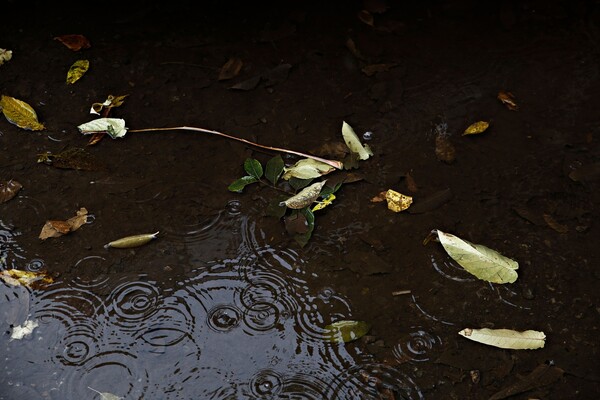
[110, 102]
[16, 277]
[347, 331]
[560, 228]
[480, 261]
[366, 17]
[230, 69]
[5, 55]
[305, 197]
[476, 127]
[115, 127]
[307, 168]
[353, 142]
[542, 375]
[19, 113]
[444, 149]
[354, 50]
[248, 84]
[9, 189]
[274, 169]
[25, 330]
[71, 158]
[74, 42]
[397, 202]
[431, 202]
[380, 197]
[372, 69]
[506, 338]
[239, 184]
[106, 395]
[324, 203]
[132, 241]
[337, 150]
[77, 70]
[508, 99]
[253, 168]
[54, 228]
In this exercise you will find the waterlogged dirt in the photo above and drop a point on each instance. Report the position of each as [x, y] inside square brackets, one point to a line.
[224, 303]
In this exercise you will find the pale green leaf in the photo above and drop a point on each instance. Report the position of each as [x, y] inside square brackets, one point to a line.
[347, 331]
[506, 338]
[241, 183]
[305, 197]
[106, 395]
[485, 263]
[274, 169]
[353, 142]
[307, 168]
[115, 127]
[253, 168]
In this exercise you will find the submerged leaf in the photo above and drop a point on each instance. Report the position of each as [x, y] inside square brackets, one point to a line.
[303, 238]
[444, 149]
[115, 127]
[19, 113]
[305, 197]
[476, 127]
[77, 70]
[307, 168]
[253, 168]
[347, 331]
[74, 42]
[16, 277]
[71, 158]
[274, 169]
[8, 190]
[506, 338]
[132, 241]
[240, 184]
[480, 261]
[230, 69]
[353, 142]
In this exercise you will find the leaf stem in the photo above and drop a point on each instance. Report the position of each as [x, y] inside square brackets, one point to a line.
[333, 163]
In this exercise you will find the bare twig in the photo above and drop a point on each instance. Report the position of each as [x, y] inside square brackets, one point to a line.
[333, 163]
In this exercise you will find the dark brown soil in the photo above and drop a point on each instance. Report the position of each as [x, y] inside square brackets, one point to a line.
[225, 304]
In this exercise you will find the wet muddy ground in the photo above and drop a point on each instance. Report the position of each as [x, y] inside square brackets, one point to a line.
[224, 303]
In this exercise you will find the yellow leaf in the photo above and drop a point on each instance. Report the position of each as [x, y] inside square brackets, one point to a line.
[17, 277]
[506, 338]
[324, 203]
[397, 201]
[476, 127]
[20, 113]
[77, 70]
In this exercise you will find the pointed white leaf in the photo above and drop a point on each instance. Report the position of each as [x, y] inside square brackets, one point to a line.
[21, 331]
[506, 338]
[353, 142]
[115, 127]
[307, 168]
[485, 263]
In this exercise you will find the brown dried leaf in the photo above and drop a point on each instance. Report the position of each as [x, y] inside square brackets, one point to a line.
[411, 184]
[74, 42]
[366, 17]
[19, 113]
[508, 99]
[96, 137]
[54, 228]
[379, 198]
[444, 149]
[552, 223]
[372, 69]
[8, 190]
[230, 69]
[16, 277]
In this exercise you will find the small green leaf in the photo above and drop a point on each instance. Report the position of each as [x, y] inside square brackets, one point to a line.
[241, 183]
[274, 209]
[274, 169]
[253, 168]
[347, 331]
[298, 184]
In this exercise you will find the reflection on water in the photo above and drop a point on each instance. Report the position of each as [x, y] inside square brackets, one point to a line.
[241, 321]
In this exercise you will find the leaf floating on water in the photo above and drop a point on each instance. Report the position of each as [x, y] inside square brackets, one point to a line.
[106, 395]
[305, 197]
[59, 228]
[506, 338]
[508, 99]
[77, 70]
[21, 331]
[5, 55]
[431, 202]
[274, 169]
[397, 201]
[307, 168]
[347, 331]
[239, 184]
[353, 142]
[230, 69]
[115, 127]
[324, 203]
[72, 158]
[8, 190]
[476, 127]
[16, 277]
[253, 168]
[132, 241]
[74, 42]
[480, 261]
[19, 113]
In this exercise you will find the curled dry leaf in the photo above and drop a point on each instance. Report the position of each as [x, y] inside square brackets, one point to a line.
[353, 142]
[132, 241]
[476, 127]
[110, 102]
[305, 197]
[508, 99]
[77, 70]
[19, 113]
[506, 338]
[58, 228]
[74, 42]
[8, 190]
[115, 127]
[397, 202]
